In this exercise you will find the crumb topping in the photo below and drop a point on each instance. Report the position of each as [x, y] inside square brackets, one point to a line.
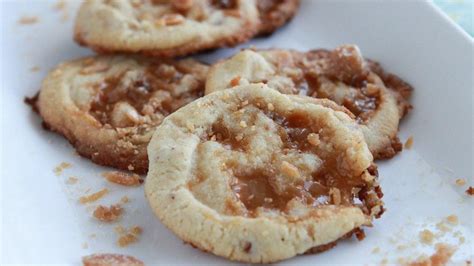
[303, 166]
[134, 98]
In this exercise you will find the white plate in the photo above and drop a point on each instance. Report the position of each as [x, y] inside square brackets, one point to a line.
[42, 221]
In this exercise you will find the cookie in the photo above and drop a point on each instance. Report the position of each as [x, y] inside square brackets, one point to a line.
[257, 176]
[165, 28]
[275, 13]
[379, 100]
[109, 106]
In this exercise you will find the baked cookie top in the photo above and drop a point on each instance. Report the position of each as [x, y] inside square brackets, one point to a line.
[259, 176]
[165, 28]
[109, 106]
[377, 99]
[275, 13]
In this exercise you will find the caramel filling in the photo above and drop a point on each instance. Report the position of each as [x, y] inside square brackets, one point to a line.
[156, 91]
[281, 181]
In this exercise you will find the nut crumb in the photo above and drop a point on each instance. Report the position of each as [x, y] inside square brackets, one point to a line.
[169, 20]
[270, 107]
[289, 170]
[106, 259]
[243, 124]
[426, 237]
[72, 180]
[460, 182]
[235, 81]
[58, 170]
[124, 179]
[28, 20]
[95, 67]
[313, 139]
[108, 214]
[94, 196]
[409, 143]
[470, 191]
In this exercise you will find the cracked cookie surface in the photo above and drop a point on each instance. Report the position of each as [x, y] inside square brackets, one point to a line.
[109, 106]
[260, 176]
[377, 99]
[165, 28]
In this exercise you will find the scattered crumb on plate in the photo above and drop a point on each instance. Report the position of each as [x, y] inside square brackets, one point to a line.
[426, 237]
[124, 179]
[441, 256]
[452, 219]
[128, 237]
[35, 69]
[108, 214]
[460, 182]
[58, 170]
[108, 259]
[85, 245]
[72, 180]
[470, 191]
[124, 200]
[28, 20]
[409, 143]
[94, 196]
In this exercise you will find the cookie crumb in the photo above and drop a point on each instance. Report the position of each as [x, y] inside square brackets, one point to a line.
[409, 143]
[441, 256]
[59, 5]
[452, 219]
[85, 245]
[426, 237]
[35, 69]
[460, 182]
[72, 180]
[130, 237]
[108, 214]
[108, 259]
[58, 170]
[376, 250]
[28, 20]
[470, 191]
[124, 179]
[94, 196]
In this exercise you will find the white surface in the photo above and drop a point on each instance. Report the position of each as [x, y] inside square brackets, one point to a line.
[43, 223]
